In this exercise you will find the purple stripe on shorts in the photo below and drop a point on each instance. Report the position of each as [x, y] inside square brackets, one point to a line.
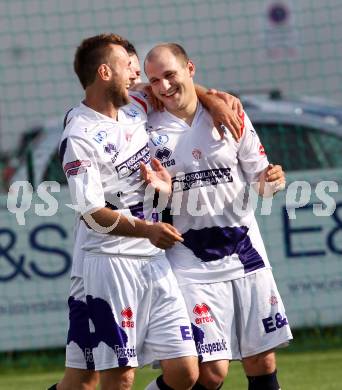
[199, 340]
[106, 328]
[215, 243]
[79, 331]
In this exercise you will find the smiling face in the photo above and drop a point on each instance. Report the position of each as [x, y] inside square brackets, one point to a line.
[119, 76]
[135, 70]
[171, 79]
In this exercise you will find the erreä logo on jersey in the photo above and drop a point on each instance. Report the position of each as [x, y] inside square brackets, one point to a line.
[111, 150]
[163, 154]
[159, 140]
[100, 136]
[202, 312]
[127, 315]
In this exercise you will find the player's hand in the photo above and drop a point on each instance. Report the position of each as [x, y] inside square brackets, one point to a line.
[275, 176]
[227, 113]
[232, 101]
[163, 236]
[159, 177]
[155, 103]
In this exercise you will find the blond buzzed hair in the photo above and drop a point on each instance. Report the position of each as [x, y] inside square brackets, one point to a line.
[177, 50]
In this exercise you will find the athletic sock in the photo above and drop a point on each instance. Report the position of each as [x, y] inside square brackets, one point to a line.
[53, 387]
[198, 386]
[263, 382]
[161, 384]
[158, 384]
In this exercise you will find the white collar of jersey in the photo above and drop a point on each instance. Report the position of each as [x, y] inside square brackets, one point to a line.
[181, 122]
[95, 114]
[98, 116]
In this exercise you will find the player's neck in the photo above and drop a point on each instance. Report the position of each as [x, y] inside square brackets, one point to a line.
[101, 104]
[188, 112]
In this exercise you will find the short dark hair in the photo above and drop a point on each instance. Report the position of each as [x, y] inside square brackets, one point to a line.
[176, 49]
[93, 52]
[130, 48]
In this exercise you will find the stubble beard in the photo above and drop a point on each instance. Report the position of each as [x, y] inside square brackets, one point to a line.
[117, 95]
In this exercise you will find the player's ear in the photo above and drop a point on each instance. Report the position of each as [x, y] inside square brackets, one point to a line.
[104, 72]
[191, 68]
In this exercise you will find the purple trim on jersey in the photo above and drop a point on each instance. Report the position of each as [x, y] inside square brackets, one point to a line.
[137, 210]
[111, 206]
[108, 331]
[79, 331]
[65, 120]
[62, 150]
[199, 339]
[215, 243]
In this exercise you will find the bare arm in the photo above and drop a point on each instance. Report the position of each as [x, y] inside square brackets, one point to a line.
[232, 101]
[271, 180]
[108, 221]
[155, 103]
[224, 109]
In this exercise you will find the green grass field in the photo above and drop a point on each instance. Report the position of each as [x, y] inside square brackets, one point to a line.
[312, 370]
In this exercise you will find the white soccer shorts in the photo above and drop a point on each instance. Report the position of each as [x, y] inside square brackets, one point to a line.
[128, 313]
[238, 318]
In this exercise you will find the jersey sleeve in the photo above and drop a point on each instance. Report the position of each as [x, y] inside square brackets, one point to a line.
[81, 168]
[140, 100]
[251, 154]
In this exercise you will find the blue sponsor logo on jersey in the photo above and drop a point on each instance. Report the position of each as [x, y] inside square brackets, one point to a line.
[100, 136]
[132, 164]
[122, 352]
[132, 113]
[208, 177]
[218, 346]
[271, 324]
[186, 332]
[159, 140]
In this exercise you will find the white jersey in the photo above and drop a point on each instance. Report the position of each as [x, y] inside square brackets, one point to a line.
[101, 159]
[221, 240]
